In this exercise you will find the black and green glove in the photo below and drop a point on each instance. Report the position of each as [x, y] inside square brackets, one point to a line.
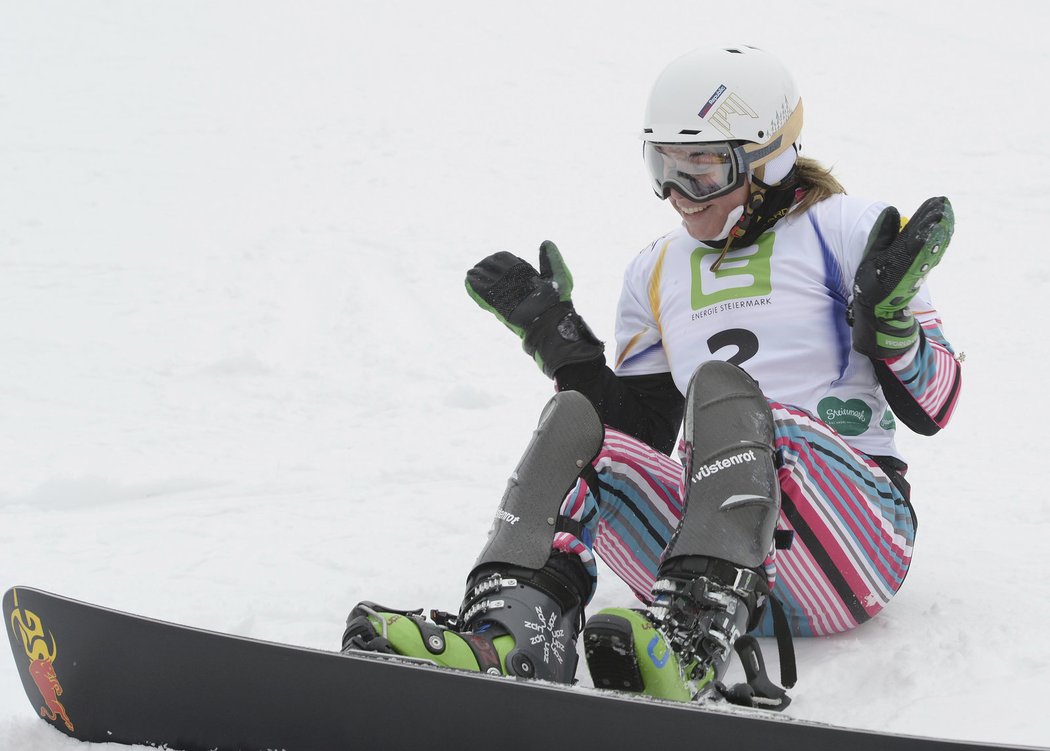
[535, 305]
[896, 262]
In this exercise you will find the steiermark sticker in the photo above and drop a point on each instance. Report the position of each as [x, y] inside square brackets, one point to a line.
[850, 417]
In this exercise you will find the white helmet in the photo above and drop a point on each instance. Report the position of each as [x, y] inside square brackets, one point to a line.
[739, 98]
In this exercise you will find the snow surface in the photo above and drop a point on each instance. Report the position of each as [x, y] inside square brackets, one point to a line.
[241, 386]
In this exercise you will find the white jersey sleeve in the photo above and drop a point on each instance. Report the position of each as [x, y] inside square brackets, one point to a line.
[639, 344]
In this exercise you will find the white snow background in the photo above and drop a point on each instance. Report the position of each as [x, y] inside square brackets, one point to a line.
[241, 384]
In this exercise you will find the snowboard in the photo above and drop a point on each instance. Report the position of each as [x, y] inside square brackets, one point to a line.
[101, 675]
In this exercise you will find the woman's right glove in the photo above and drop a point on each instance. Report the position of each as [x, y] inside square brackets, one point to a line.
[537, 306]
[896, 262]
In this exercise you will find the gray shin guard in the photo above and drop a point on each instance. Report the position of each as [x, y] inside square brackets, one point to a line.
[732, 491]
[568, 438]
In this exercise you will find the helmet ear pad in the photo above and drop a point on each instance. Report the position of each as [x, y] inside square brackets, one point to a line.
[779, 167]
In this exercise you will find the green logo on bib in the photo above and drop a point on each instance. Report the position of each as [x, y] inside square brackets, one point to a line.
[745, 272]
[851, 417]
[887, 422]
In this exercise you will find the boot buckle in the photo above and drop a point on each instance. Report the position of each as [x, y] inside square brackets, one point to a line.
[745, 583]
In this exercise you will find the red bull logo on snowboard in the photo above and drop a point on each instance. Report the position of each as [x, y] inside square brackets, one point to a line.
[41, 650]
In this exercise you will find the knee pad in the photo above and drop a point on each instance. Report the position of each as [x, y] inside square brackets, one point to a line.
[732, 490]
[568, 438]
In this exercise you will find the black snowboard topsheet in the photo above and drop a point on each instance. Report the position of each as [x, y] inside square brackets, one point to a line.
[100, 675]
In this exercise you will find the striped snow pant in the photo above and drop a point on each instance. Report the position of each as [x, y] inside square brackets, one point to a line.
[850, 528]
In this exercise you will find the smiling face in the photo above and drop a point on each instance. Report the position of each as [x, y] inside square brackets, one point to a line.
[706, 220]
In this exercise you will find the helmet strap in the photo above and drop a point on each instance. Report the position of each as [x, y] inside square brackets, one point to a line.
[766, 205]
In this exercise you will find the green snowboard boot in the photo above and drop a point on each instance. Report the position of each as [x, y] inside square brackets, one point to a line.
[516, 622]
[680, 646]
[627, 651]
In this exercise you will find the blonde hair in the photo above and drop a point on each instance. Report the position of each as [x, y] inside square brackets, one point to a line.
[817, 182]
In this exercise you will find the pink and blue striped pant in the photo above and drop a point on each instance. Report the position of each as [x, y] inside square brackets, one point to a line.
[850, 529]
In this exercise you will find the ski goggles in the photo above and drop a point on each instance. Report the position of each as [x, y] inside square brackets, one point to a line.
[699, 171]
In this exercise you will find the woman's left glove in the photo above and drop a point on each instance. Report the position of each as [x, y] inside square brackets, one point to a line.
[896, 262]
[537, 306]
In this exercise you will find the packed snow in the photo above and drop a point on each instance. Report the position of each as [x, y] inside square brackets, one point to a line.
[242, 386]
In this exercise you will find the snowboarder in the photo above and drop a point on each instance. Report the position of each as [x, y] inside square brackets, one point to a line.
[784, 327]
